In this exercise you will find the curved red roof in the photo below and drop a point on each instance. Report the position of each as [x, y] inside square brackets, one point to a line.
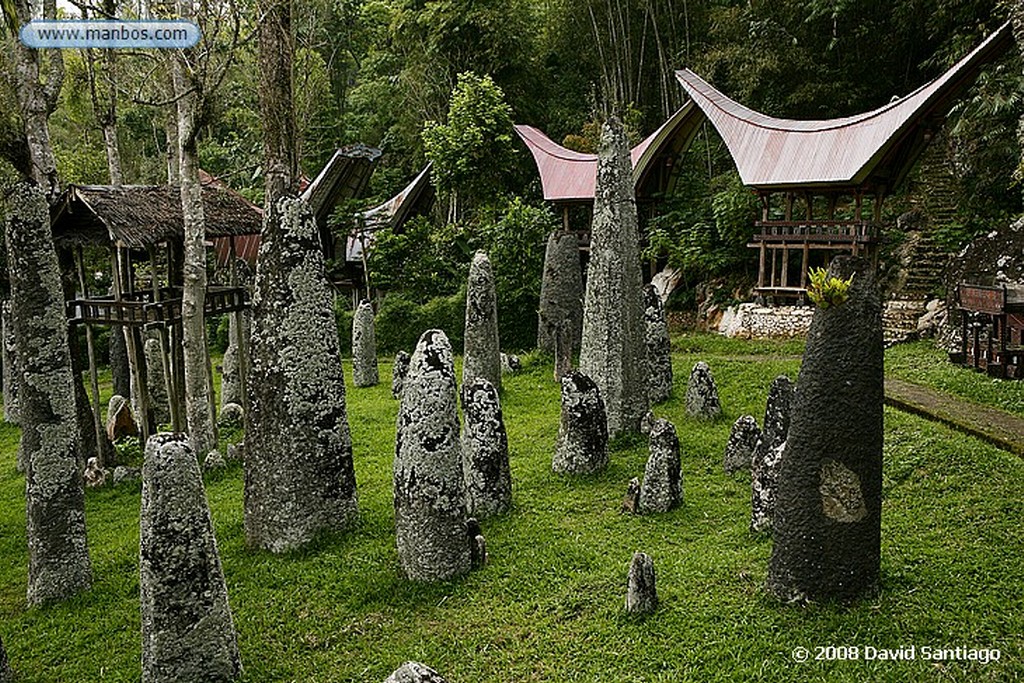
[873, 148]
[569, 176]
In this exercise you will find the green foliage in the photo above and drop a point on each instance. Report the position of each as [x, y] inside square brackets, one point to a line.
[422, 261]
[400, 321]
[472, 151]
[826, 291]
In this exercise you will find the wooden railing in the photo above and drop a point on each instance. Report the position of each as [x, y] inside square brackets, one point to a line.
[830, 231]
[141, 311]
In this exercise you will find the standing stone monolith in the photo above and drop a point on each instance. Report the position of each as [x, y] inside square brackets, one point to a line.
[429, 486]
[10, 364]
[702, 394]
[156, 383]
[563, 350]
[120, 370]
[828, 513]
[659, 347]
[364, 347]
[187, 630]
[768, 452]
[230, 384]
[612, 351]
[398, 372]
[582, 446]
[58, 554]
[6, 674]
[414, 672]
[299, 477]
[561, 294]
[662, 488]
[485, 451]
[739, 450]
[641, 591]
[482, 357]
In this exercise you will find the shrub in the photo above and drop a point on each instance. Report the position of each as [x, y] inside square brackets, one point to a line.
[826, 291]
[400, 321]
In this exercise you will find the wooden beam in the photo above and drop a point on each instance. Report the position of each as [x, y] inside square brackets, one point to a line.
[94, 382]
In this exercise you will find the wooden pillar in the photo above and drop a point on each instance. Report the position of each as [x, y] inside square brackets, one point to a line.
[804, 265]
[241, 341]
[565, 217]
[760, 266]
[94, 381]
[785, 264]
[174, 397]
[774, 259]
[123, 284]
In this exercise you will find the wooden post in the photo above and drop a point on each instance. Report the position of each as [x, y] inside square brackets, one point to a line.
[804, 264]
[565, 217]
[760, 267]
[170, 384]
[93, 376]
[775, 253]
[122, 284]
[241, 342]
[785, 264]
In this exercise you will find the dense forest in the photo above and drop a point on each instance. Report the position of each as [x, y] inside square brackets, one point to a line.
[442, 80]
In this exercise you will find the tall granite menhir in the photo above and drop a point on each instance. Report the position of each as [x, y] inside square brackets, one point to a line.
[561, 293]
[299, 478]
[187, 630]
[828, 513]
[364, 347]
[429, 489]
[613, 350]
[58, 556]
[482, 357]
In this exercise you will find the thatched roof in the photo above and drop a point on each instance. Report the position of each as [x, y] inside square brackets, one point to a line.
[137, 216]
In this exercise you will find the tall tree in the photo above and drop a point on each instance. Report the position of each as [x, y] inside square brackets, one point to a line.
[59, 564]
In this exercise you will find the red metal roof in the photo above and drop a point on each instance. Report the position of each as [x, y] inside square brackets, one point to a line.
[873, 148]
[569, 176]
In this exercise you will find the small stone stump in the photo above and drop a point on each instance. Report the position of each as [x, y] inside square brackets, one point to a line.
[482, 357]
[232, 416]
[124, 473]
[364, 347]
[510, 363]
[485, 451]
[826, 541]
[659, 348]
[582, 446]
[662, 488]
[414, 672]
[429, 485]
[641, 592]
[743, 440]
[702, 394]
[631, 501]
[187, 630]
[120, 422]
[94, 475]
[398, 372]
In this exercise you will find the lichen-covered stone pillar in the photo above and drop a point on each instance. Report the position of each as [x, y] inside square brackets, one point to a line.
[612, 351]
[10, 363]
[485, 451]
[482, 353]
[827, 526]
[187, 630]
[768, 452]
[702, 393]
[398, 372]
[662, 488]
[582, 446]
[739, 450]
[230, 381]
[299, 477]
[561, 294]
[414, 672]
[156, 382]
[429, 487]
[659, 347]
[364, 347]
[641, 590]
[58, 556]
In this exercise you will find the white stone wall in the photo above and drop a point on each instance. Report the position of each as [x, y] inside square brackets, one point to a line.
[750, 321]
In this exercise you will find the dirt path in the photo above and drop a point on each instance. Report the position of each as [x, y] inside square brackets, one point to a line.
[995, 426]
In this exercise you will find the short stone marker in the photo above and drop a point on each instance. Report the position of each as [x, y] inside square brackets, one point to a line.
[827, 531]
[94, 475]
[398, 372]
[231, 416]
[364, 347]
[125, 473]
[768, 453]
[187, 629]
[120, 422]
[510, 363]
[631, 502]
[429, 486]
[485, 451]
[214, 461]
[582, 446]
[659, 347]
[641, 592]
[156, 383]
[743, 439]
[662, 488]
[477, 543]
[702, 394]
[414, 672]
[235, 452]
[646, 423]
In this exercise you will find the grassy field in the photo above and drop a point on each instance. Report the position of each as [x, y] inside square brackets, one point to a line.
[549, 605]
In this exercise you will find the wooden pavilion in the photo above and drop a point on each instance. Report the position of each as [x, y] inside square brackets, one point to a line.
[805, 171]
[143, 230]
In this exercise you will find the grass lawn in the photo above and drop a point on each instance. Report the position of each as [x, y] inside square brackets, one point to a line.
[549, 605]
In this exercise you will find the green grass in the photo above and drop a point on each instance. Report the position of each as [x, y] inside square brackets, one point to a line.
[549, 605]
[923, 363]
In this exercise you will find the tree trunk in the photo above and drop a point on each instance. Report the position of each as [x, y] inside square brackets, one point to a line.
[193, 299]
[277, 105]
